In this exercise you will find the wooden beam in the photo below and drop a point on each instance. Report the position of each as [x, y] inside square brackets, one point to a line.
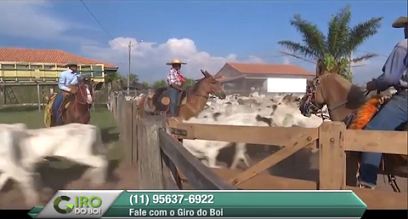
[389, 142]
[292, 147]
[258, 135]
[150, 163]
[199, 176]
[38, 97]
[332, 156]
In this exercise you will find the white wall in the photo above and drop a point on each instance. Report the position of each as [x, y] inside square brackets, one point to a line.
[286, 85]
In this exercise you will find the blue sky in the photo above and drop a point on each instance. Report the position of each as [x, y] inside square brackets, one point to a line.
[205, 34]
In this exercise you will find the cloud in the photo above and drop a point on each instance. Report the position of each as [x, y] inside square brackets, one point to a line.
[149, 58]
[33, 19]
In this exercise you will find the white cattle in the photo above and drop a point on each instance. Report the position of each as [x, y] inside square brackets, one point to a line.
[80, 143]
[10, 162]
[254, 110]
[209, 150]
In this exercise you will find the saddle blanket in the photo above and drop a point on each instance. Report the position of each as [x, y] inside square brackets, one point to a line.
[48, 110]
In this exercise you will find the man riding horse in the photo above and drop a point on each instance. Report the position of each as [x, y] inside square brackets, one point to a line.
[175, 83]
[68, 80]
[392, 114]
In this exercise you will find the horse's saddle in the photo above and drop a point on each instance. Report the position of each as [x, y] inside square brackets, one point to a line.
[50, 100]
[160, 101]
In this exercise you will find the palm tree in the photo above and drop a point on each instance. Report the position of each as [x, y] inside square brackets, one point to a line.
[334, 50]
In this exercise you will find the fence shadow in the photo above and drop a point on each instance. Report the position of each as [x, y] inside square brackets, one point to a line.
[18, 108]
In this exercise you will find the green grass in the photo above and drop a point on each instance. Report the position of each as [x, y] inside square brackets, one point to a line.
[100, 117]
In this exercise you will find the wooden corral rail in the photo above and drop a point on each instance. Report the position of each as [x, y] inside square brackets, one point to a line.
[163, 162]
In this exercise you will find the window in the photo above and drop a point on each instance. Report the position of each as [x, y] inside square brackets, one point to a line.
[36, 67]
[22, 67]
[97, 71]
[48, 67]
[7, 66]
[86, 69]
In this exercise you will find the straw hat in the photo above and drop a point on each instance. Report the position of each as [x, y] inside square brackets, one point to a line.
[176, 61]
[400, 22]
[71, 63]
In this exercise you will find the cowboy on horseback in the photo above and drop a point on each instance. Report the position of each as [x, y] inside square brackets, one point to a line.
[68, 80]
[394, 113]
[175, 83]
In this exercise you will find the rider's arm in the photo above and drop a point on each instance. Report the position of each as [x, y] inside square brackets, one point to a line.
[62, 81]
[393, 69]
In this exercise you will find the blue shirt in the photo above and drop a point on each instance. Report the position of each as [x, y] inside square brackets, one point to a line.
[395, 68]
[67, 78]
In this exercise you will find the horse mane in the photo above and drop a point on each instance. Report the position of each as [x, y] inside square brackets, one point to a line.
[355, 96]
[195, 87]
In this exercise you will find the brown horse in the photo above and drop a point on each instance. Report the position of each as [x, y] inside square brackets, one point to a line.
[344, 99]
[75, 107]
[191, 101]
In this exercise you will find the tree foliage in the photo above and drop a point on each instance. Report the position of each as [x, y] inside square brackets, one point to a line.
[162, 83]
[111, 77]
[145, 84]
[133, 77]
[333, 49]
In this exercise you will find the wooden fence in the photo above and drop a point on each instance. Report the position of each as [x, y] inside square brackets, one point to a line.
[147, 144]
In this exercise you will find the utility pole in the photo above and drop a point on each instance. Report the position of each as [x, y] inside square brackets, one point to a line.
[128, 76]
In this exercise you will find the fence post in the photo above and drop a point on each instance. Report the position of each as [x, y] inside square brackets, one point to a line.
[150, 161]
[127, 124]
[332, 171]
[135, 118]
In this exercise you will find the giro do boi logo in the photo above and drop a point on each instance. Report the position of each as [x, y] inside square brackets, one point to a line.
[81, 205]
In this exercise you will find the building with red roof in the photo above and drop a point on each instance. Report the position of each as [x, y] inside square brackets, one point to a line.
[271, 78]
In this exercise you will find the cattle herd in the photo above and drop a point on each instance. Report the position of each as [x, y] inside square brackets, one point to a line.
[275, 110]
[21, 148]
[255, 110]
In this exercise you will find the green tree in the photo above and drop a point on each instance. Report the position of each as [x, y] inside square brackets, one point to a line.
[145, 84]
[110, 77]
[335, 48]
[189, 82]
[160, 83]
[133, 77]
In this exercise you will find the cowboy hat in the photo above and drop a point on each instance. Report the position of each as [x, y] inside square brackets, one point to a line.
[176, 61]
[71, 63]
[400, 22]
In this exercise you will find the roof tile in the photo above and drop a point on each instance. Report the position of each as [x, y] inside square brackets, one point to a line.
[256, 68]
[45, 56]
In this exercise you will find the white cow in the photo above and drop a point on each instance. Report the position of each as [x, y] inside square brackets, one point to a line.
[209, 150]
[80, 143]
[10, 161]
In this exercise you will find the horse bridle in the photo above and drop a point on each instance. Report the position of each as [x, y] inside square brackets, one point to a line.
[310, 103]
[209, 93]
